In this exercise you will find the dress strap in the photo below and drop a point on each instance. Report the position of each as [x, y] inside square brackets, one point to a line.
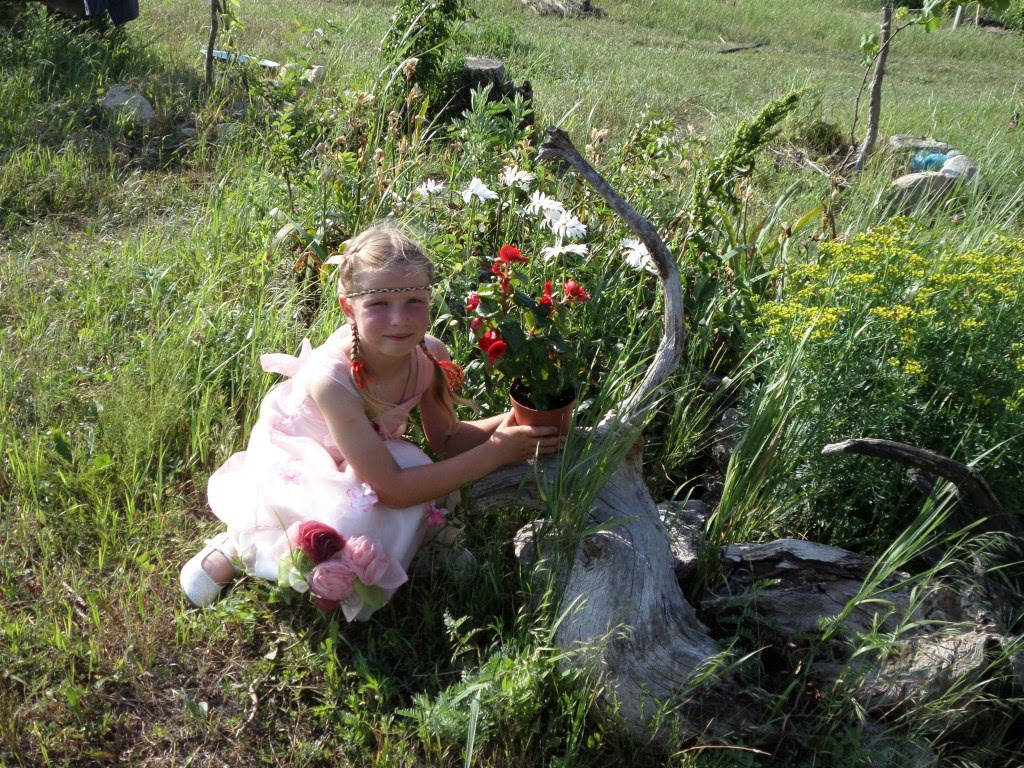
[285, 364]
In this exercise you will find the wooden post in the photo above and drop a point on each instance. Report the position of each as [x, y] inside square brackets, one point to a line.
[959, 14]
[214, 17]
[875, 102]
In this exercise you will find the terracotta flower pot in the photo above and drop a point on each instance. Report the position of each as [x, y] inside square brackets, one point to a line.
[560, 417]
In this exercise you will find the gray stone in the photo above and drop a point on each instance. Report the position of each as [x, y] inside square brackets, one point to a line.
[228, 131]
[959, 167]
[315, 75]
[892, 749]
[907, 141]
[909, 191]
[727, 434]
[128, 102]
[685, 524]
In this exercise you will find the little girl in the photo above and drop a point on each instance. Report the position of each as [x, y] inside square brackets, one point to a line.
[328, 444]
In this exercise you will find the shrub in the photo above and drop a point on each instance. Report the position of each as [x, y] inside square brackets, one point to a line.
[907, 339]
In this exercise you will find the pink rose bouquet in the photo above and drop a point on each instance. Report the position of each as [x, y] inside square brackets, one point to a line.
[353, 574]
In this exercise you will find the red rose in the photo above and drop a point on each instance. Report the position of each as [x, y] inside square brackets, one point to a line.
[324, 604]
[545, 301]
[472, 302]
[496, 351]
[574, 291]
[488, 339]
[510, 253]
[476, 322]
[317, 541]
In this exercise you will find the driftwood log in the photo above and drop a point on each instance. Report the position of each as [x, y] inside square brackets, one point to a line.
[623, 618]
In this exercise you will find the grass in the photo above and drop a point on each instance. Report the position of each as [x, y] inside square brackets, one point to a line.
[138, 287]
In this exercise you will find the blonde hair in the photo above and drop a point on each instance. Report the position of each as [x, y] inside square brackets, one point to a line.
[378, 249]
[384, 248]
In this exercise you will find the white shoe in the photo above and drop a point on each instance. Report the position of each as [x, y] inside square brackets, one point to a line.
[199, 586]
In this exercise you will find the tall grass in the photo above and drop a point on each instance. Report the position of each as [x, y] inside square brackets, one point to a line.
[138, 286]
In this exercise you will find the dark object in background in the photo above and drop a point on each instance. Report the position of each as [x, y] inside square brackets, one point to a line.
[120, 11]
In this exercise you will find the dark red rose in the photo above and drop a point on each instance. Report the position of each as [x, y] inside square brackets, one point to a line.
[472, 302]
[324, 604]
[319, 542]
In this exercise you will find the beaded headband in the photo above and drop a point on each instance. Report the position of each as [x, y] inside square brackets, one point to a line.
[357, 294]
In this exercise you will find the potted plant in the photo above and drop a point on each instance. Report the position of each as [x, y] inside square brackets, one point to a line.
[520, 330]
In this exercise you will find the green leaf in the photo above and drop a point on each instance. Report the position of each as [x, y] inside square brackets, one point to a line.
[869, 43]
[524, 300]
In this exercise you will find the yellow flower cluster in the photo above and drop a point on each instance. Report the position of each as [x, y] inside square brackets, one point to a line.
[910, 289]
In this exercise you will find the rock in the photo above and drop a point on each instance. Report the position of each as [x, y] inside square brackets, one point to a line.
[890, 749]
[315, 75]
[906, 141]
[228, 131]
[126, 101]
[909, 191]
[726, 436]
[959, 166]
[685, 524]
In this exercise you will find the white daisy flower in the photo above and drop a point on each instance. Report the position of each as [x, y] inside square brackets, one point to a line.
[566, 225]
[539, 202]
[552, 252]
[430, 187]
[478, 189]
[514, 177]
[637, 255]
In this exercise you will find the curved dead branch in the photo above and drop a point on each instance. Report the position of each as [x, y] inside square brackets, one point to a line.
[558, 147]
[973, 493]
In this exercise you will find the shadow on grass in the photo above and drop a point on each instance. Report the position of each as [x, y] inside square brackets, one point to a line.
[60, 151]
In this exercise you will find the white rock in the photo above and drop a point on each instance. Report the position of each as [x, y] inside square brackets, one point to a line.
[123, 100]
[315, 75]
[915, 188]
[959, 167]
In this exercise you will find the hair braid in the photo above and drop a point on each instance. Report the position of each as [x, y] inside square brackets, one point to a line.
[448, 379]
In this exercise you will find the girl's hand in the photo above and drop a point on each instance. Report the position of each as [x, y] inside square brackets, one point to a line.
[514, 442]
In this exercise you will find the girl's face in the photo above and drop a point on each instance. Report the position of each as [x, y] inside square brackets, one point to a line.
[390, 324]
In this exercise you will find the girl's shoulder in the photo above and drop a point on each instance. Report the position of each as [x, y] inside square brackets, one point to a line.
[436, 347]
[330, 360]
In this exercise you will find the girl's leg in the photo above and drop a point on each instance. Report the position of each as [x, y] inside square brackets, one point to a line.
[205, 575]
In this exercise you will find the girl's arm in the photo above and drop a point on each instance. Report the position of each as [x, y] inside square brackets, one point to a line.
[399, 488]
[467, 435]
[437, 422]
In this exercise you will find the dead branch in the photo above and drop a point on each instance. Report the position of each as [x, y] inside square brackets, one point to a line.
[558, 147]
[973, 493]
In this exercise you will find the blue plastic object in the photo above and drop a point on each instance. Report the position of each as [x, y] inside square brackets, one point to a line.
[927, 161]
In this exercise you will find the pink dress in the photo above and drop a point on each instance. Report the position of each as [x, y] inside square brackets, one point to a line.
[292, 470]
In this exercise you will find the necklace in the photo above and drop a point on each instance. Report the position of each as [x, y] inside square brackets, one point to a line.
[405, 387]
